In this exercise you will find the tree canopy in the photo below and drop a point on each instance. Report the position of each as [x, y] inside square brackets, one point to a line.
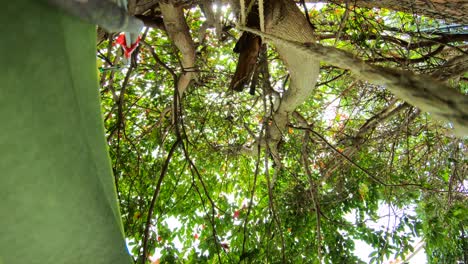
[353, 110]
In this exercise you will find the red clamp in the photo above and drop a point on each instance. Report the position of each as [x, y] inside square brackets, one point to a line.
[122, 42]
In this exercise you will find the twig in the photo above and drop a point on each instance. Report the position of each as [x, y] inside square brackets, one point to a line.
[155, 197]
[342, 23]
[307, 14]
[313, 192]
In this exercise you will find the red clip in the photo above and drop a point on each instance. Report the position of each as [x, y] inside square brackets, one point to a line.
[122, 42]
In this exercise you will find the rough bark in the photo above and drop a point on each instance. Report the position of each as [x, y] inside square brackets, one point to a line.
[248, 47]
[283, 18]
[179, 33]
[142, 7]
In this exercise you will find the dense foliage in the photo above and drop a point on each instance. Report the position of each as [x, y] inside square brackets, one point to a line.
[191, 190]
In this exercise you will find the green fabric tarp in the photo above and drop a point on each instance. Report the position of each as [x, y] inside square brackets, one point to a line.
[57, 197]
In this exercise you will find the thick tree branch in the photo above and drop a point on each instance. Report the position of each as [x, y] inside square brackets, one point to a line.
[283, 17]
[437, 98]
[179, 32]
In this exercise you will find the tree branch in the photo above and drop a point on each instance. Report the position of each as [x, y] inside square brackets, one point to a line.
[155, 197]
[179, 32]
[443, 102]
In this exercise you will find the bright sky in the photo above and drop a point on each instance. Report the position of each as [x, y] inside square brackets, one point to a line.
[363, 249]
